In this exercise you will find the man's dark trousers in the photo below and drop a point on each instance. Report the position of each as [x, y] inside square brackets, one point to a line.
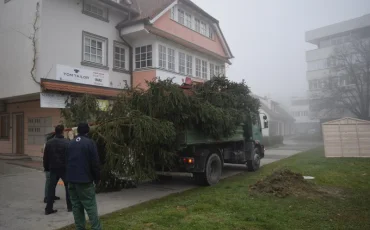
[55, 175]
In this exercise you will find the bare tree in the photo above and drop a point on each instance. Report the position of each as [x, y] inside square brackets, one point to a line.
[347, 87]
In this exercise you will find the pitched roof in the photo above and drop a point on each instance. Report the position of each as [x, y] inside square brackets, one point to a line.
[149, 9]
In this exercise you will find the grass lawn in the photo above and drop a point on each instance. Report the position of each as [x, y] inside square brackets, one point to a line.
[229, 205]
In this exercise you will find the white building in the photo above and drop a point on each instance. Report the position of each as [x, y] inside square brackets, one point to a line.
[280, 122]
[318, 60]
[52, 48]
[299, 109]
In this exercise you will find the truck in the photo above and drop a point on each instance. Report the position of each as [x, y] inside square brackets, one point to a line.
[203, 157]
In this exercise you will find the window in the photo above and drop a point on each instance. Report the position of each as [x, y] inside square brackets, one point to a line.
[173, 13]
[143, 57]
[197, 25]
[188, 20]
[119, 56]
[222, 70]
[37, 128]
[212, 70]
[204, 69]
[4, 126]
[198, 67]
[95, 10]
[171, 59]
[217, 70]
[95, 51]
[189, 65]
[181, 17]
[211, 35]
[203, 28]
[182, 63]
[162, 56]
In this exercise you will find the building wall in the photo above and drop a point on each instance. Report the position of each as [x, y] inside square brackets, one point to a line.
[16, 54]
[165, 23]
[30, 110]
[61, 38]
[139, 78]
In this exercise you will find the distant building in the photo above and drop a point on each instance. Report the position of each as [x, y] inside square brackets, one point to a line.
[299, 109]
[319, 62]
[281, 123]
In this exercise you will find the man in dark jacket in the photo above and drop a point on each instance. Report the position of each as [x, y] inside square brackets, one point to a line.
[83, 168]
[55, 163]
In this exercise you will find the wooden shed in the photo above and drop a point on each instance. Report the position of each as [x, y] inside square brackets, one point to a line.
[347, 137]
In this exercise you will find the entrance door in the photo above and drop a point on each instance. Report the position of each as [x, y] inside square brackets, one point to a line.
[18, 133]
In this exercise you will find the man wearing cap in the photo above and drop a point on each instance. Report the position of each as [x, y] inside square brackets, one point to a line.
[55, 163]
[83, 169]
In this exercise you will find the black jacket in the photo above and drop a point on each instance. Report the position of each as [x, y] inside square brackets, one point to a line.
[83, 165]
[55, 153]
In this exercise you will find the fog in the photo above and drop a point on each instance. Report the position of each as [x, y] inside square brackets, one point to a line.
[267, 38]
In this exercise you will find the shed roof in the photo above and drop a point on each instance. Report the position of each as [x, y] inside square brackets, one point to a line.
[346, 120]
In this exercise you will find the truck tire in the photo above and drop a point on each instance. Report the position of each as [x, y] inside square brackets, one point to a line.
[254, 164]
[212, 172]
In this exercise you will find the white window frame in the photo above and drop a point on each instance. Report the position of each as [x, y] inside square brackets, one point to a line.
[204, 69]
[181, 16]
[148, 54]
[162, 56]
[203, 28]
[188, 20]
[197, 25]
[222, 70]
[88, 41]
[88, 9]
[171, 59]
[182, 63]
[173, 15]
[121, 56]
[211, 34]
[189, 65]
[217, 70]
[198, 67]
[211, 70]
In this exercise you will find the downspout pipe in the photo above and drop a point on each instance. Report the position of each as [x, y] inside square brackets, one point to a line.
[130, 57]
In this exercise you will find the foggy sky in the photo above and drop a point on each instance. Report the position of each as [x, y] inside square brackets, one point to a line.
[267, 38]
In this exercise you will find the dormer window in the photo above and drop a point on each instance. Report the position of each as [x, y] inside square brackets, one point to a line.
[95, 10]
[187, 19]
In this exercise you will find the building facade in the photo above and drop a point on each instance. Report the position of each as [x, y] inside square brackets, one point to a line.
[319, 63]
[280, 122]
[50, 49]
[299, 109]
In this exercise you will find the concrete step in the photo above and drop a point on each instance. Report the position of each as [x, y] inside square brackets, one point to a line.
[14, 157]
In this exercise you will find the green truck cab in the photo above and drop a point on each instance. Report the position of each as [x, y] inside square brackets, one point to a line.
[203, 157]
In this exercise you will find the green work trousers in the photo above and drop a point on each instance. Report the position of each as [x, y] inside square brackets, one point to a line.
[47, 182]
[83, 198]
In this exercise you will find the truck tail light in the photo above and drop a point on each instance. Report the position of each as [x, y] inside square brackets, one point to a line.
[188, 160]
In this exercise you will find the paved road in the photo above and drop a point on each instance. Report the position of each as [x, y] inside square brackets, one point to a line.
[21, 193]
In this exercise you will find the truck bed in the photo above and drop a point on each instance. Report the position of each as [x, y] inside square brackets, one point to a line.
[193, 137]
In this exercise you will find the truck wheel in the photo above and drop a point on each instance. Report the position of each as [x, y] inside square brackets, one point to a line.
[212, 173]
[254, 165]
